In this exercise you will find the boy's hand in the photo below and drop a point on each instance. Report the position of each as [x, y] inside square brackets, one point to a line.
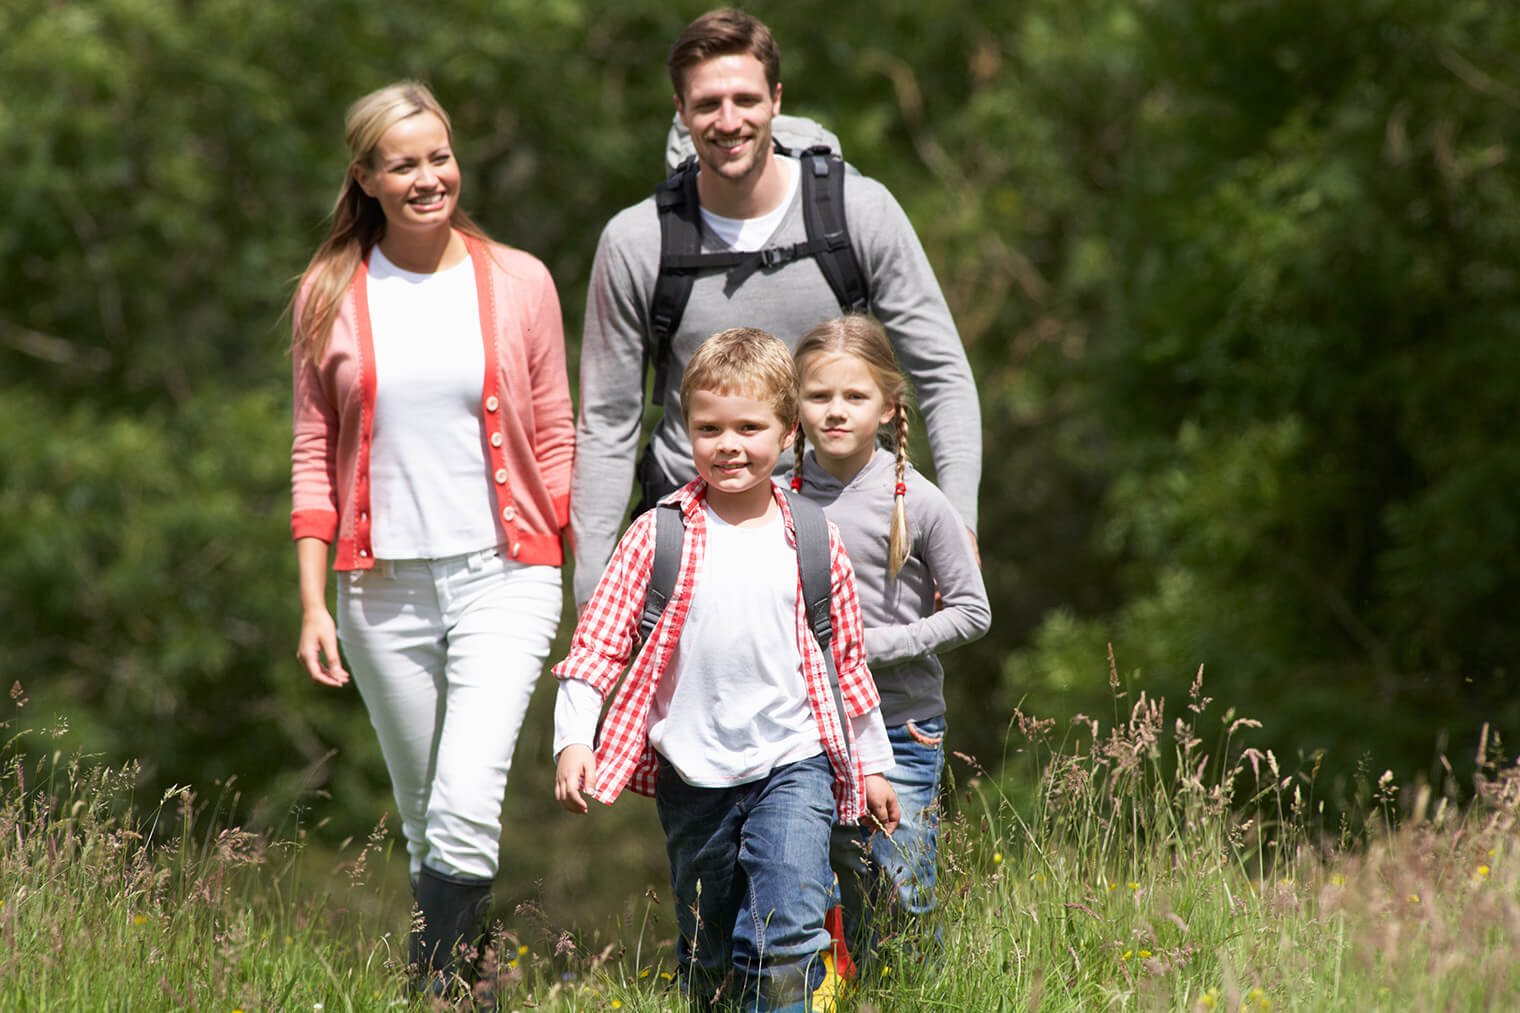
[577, 771]
[881, 803]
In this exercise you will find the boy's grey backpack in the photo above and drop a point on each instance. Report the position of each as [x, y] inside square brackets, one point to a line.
[812, 560]
[681, 256]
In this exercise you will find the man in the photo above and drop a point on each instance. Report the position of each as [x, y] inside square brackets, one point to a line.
[726, 72]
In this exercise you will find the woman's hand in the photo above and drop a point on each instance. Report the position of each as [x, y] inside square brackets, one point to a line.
[318, 649]
[576, 772]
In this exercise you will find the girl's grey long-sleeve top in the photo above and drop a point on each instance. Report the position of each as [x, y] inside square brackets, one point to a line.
[903, 632]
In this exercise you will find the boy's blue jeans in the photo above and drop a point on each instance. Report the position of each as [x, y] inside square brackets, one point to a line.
[888, 882]
[749, 866]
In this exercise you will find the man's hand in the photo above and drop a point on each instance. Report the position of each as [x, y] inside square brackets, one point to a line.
[576, 772]
[882, 809]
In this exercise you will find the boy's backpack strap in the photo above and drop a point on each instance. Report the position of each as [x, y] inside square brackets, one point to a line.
[817, 591]
[680, 236]
[669, 533]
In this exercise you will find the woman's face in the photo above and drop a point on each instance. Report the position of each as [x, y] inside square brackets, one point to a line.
[413, 174]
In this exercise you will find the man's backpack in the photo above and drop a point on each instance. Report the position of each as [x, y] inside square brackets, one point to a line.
[812, 559]
[682, 259]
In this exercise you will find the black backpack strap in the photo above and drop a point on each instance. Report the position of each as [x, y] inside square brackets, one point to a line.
[823, 214]
[817, 591]
[680, 236]
[681, 255]
[669, 533]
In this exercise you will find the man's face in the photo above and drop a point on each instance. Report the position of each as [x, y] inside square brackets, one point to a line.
[728, 108]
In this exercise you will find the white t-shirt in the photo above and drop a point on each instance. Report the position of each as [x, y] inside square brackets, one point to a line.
[748, 234]
[430, 489]
[739, 706]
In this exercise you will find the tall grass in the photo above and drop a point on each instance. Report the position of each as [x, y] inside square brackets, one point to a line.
[1156, 861]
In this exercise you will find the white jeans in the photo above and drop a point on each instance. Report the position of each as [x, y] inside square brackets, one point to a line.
[445, 653]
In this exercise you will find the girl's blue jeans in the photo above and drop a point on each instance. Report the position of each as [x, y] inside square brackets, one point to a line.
[749, 866]
[887, 883]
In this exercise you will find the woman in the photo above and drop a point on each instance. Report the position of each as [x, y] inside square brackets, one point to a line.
[433, 444]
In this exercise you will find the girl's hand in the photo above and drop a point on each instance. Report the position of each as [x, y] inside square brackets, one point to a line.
[575, 772]
[881, 804]
[318, 649]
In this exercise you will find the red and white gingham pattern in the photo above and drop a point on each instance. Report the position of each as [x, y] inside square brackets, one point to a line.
[604, 641]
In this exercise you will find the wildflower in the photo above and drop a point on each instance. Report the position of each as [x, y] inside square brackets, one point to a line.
[139, 919]
[886, 970]
[1337, 880]
[1134, 886]
[617, 1004]
[521, 950]
[644, 973]
[1127, 954]
[1414, 898]
[997, 858]
[1482, 870]
[1144, 954]
[668, 976]
[1113, 886]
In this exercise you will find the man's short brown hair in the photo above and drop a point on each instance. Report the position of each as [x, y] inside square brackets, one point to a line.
[746, 361]
[724, 32]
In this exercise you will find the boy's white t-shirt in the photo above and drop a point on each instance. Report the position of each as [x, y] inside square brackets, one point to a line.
[732, 708]
[430, 487]
[739, 706]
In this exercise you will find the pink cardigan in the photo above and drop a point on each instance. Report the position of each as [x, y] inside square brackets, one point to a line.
[525, 401]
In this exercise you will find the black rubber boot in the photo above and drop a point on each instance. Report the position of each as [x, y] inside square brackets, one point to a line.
[453, 914]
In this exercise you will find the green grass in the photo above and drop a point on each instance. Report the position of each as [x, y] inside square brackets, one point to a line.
[1155, 862]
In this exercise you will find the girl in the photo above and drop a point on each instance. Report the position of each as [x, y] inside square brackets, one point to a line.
[433, 443]
[906, 543]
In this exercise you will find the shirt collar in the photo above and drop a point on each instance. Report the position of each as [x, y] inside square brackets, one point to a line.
[693, 495]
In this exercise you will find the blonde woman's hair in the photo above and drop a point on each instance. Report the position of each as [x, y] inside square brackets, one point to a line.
[862, 337]
[744, 360]
[358, 223]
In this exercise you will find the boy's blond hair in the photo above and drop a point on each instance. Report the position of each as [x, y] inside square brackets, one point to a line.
[747, 361]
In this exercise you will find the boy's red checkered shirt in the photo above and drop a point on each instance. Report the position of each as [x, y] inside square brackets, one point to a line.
[604, 642]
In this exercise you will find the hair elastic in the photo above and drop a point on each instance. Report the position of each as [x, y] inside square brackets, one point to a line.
[901, 490]
[796, 483]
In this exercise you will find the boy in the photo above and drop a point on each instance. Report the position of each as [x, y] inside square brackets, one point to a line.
[727, 717]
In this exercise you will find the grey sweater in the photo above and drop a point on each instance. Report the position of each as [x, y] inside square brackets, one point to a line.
[786, 301]
[903, 631]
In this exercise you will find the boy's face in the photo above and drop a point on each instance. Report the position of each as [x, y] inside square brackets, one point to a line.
[736, 440]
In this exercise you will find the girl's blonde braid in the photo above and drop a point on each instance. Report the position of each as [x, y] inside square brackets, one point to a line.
[897, 545]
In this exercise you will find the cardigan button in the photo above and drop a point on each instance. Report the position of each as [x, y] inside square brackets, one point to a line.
[507, 514]
[492, 404]
[501, 476]
[495, 439]
[363, 553]
[515, 547]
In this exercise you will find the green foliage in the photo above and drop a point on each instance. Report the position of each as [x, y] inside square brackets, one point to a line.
[1236, 279]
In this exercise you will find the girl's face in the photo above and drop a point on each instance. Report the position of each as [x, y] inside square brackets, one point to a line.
[842, 408]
